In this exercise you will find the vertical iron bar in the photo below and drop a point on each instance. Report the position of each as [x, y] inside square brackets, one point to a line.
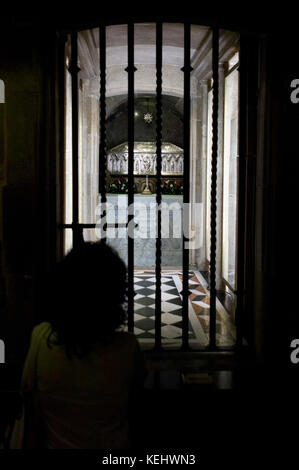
[213, 246]
[158, 186]
[130, 69]
[243, 70]
[60, 205]
[102, 147]
[186, 186]
[74, 70]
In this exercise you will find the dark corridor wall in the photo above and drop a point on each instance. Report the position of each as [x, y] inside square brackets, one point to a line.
[279, 257]
[26, 67]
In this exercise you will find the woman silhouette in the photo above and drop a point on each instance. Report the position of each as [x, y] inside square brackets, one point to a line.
[82, 371]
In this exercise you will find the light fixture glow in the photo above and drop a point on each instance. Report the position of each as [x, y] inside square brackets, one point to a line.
[148, 117]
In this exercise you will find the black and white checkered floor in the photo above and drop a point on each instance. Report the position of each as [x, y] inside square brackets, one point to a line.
[171, 306]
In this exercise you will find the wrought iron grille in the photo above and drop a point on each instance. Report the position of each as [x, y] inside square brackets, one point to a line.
[78, 227]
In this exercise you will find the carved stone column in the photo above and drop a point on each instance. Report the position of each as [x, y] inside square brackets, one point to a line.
[89, 136]
[195, 175]
[219, 281]
[201, 172]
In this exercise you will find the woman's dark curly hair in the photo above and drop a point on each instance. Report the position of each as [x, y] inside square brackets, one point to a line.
[88, 291]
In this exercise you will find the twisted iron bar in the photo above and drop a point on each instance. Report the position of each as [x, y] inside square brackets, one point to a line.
[102, 148]
[186, 195]
[213, 215]
[159, 39]
[74, 70]
[130, 69]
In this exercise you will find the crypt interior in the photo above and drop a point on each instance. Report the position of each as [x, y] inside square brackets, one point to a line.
[172, 171]
[229, 385]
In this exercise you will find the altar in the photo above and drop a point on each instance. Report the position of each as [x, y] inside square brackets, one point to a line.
[145, 168]
[145, 182]
[145, 232]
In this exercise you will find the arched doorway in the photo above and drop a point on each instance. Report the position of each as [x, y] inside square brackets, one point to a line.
[192, 60]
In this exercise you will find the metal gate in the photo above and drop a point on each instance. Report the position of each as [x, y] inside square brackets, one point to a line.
[77, 227]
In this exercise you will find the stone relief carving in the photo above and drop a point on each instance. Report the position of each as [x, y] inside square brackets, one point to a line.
[145, 159]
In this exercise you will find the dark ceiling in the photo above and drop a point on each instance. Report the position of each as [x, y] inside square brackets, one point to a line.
[117, 121]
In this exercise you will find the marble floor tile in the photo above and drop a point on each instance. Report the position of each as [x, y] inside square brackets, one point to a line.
[171, 310]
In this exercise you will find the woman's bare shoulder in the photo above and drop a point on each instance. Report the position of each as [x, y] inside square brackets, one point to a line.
[40, 330]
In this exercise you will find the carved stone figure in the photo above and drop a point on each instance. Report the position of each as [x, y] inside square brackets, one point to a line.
[145, 159]
[180, 165]
[113, 164]
[147, 164]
